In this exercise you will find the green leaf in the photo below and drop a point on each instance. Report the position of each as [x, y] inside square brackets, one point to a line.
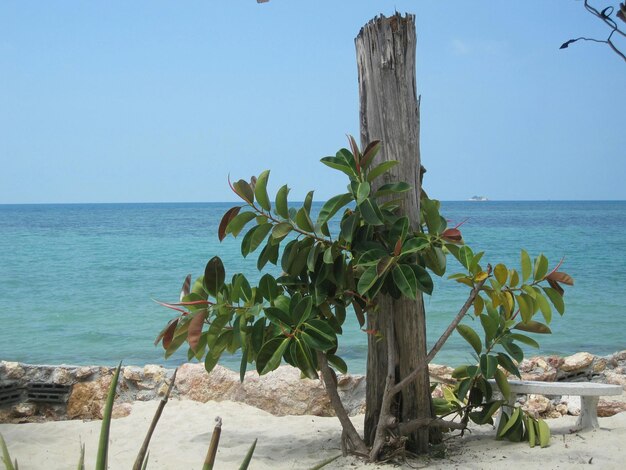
[281, 230]
[541, 267]
[303, 221]
[367, 280]
[501, 273]
[268, 287]
[490, 326]
[423, 279]
[337, 363]
[514, 350]
[253, 239]
[260, 191]
[304, 359]
[507, 364]
[525, 339]
[465, 256]
[331, 207]
[488, 365]
[392, 188]
[361, 191]
[301, 311]
[526, 266]
[404, 279]
[281, 202]
[278, 317]
[239, 222]
[348, 227]
[399, 230]
[370, 212]
[214, 276]
[322, 333]
[555, 298]
[244, 191]
[339, 164]
[103, 445]
[384, 167]
[544, 306]
[471, 337]
[510, 423]
[525, 303]
[503, 384]
[543, 432]
[308, 202]
[270, 355]
[533, 327]
[414, 244]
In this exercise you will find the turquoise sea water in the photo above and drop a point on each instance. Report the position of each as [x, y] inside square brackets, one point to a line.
[76, 281]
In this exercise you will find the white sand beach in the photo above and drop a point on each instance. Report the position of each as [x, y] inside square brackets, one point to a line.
[290, 442]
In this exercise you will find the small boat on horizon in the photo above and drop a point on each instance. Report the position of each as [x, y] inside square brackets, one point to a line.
[478, 198]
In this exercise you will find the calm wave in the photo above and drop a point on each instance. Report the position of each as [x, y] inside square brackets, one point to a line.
[76, 281]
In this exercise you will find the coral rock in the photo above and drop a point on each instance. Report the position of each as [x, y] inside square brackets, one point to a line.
[13, 370]
[87, 398]
[610, 407]
[537, 405]
[577, 362]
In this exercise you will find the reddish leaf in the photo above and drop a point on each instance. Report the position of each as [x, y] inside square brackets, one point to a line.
[398, 248]
[172, 306]
[195, 329]
[228, 216]
[561, 277]
[556, 286]
[167, 334]
[452, 235]
[370, 152]
[358, 310]
[356, 153]
[184, 291]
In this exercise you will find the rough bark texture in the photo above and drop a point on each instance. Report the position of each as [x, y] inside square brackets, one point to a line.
[390, 112]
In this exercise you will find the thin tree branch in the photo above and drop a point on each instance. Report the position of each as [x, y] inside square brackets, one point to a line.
[386, 419]
[331, 389]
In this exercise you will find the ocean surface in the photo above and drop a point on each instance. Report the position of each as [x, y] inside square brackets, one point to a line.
[77, 280]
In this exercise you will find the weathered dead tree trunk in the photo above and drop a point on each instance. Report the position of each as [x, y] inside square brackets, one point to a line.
[390, 112]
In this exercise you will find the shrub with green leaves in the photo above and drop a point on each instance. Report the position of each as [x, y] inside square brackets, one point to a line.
[299, 316]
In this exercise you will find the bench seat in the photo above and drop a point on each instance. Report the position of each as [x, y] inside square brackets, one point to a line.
[590, 393]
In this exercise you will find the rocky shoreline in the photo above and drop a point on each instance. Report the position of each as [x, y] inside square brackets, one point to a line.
[36, 393]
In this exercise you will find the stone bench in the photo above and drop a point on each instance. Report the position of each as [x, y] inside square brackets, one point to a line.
[589, 392]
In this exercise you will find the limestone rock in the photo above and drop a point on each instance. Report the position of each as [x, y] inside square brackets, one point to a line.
[440, 373]
[120, 410]
[599, 365]
[537, 368]
[610, 407]
[561, 408]
[13, 370]
[537, 405]
[193, 383]
[577, 362]
[24, 410]
[614, 378]
[87, 398]
[154, 373]
[61, 376]
[84, 372]
[573, 404]
[133, 373]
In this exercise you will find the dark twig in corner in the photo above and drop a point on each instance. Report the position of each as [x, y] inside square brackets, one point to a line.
[605, 16]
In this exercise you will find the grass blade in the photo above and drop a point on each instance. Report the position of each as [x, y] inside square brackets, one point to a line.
[325, 462]
[6, 458]
[81, 461]
[103, 446]
[139, 461]
[246, 460]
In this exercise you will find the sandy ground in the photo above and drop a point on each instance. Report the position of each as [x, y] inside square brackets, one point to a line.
[293, 442]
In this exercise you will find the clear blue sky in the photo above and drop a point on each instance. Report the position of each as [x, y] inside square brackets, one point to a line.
[159, 101]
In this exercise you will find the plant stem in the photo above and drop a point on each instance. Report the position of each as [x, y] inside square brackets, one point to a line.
[331, 389]
[146, 442]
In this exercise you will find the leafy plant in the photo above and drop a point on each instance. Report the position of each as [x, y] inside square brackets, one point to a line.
[299, 316]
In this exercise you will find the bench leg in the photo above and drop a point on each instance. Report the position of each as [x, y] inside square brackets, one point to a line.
[511, 399]
[588, 418]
